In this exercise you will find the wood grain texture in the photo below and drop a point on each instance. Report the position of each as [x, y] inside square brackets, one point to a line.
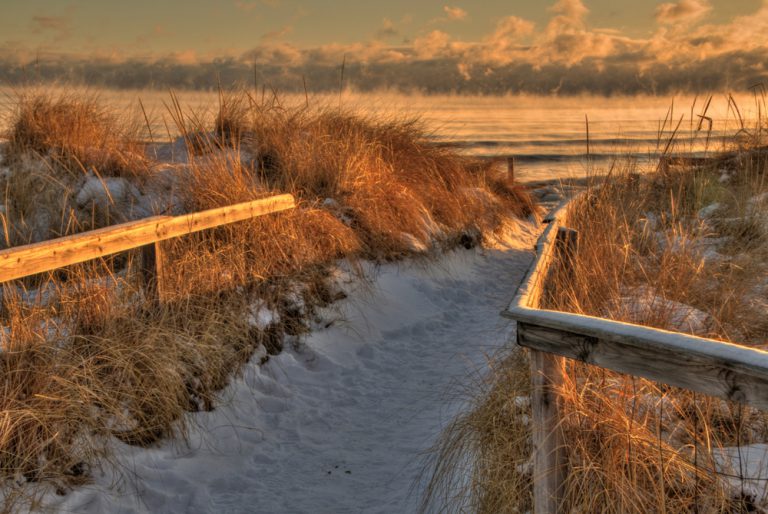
[549, 460]
[715, 375]
[722, 359]
[529, 291]
[717, 368]
[28, 260]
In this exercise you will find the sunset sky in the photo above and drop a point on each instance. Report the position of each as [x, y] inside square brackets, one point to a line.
[208, 28]
[472, 39]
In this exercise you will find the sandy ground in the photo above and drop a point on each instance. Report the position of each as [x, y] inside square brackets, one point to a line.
[339, 423]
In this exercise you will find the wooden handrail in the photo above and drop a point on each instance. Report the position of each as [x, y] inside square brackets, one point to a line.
[22, 261]
[716, 368]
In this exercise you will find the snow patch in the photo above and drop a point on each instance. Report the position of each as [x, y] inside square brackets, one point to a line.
[749, 462]
[653, 221]
[709, 211]
[260, 316]
[330, 203]
[642, 304]
[105, 192]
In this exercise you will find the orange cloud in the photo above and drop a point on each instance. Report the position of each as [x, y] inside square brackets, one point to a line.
[564, 47]
[565, 40]
[505, 44]
[387, 30]
[455, 13]
[569, 16]
[684, 11]
[432, 46]
[185, 57]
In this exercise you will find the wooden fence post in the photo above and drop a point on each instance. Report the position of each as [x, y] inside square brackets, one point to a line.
[549, 459]
[152, 271]
[548, 450]
[511, 168]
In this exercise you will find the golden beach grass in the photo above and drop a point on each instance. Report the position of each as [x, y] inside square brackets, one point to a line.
[86, 356]
[653, 249]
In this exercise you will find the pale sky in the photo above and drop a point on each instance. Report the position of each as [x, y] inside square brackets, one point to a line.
[207, 28]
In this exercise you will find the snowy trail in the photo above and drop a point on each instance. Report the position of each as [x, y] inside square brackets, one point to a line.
[339, 424]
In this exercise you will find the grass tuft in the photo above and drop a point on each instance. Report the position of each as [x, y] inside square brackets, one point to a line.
[77, 133]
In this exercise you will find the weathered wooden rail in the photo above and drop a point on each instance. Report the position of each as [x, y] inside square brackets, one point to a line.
[711, 367]
[23, 261]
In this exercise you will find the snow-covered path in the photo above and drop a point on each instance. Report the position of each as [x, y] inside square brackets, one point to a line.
[341, 423]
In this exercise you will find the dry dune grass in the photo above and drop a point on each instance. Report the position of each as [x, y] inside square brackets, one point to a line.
[55, 142]
[87, 356]
[637, 446]
[659, 233]
[90, 363]
[76, 131]
[634, 445]
[682, 249]
[399, 193]
[304, 240]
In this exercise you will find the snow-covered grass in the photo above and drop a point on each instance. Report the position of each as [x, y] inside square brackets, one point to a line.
[88, 361]
[70, 164]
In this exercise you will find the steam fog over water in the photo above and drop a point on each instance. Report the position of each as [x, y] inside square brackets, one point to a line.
[546, 135]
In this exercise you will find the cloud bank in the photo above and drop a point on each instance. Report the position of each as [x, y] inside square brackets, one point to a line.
[564, 56]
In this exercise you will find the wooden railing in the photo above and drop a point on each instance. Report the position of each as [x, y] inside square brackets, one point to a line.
[715, 368]
[22, 261]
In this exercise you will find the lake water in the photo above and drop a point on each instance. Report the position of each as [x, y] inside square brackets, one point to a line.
[546, 135]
